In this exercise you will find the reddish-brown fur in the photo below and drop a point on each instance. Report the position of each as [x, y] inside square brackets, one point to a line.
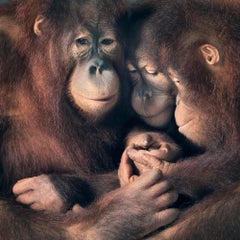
[41, 130]
[210, 87]
[45, 46]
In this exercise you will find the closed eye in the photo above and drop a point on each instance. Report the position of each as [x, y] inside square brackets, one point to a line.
[151, 70]
[131, 68]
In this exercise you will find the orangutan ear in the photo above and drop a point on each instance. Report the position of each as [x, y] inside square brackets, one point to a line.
[37, 28]
[210, 54]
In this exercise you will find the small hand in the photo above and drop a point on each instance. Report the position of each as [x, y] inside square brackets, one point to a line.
[126, 169]
[148, 161]
[158, 144]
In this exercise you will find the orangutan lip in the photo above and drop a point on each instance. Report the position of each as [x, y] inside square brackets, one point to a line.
[103, 100]
[107, 99]
[151, 116]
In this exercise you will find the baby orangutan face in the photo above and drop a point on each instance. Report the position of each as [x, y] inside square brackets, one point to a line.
[153, 94]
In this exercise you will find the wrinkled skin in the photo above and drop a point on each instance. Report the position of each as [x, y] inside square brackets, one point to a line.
[149, 143]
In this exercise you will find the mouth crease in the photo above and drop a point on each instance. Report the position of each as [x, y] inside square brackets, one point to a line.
[97, 99]
[104, 99]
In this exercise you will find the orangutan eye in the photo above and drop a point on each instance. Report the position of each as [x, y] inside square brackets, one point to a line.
[107, 41]
[174, 76]
[82, 41]
[176, 80]
[132, 71]
[151, 70]
[131, 68]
